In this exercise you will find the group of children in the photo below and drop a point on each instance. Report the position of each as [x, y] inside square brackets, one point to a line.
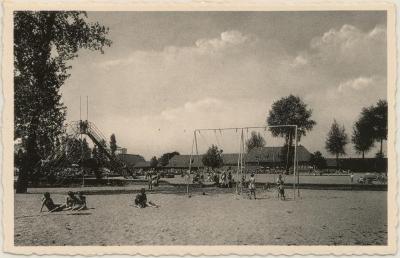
[251, 185]
[72, 202]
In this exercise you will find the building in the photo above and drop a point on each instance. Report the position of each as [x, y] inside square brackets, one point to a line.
[130, 159]
[261, 156]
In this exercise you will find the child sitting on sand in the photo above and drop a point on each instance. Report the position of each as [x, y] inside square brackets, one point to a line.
[71, 201]
[141, 200]
[80, 202]
[48, 202]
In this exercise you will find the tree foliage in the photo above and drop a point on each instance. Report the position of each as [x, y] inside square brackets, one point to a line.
[164, 159]
[153, 162]
[363, 136]
[317, 160]
[113, 144]
[43, 43]
[213, 157]
[255, 140]
[375, 117]
[336, 141]
[290, 110]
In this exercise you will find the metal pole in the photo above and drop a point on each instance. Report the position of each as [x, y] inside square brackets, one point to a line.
[87, 108]
[295, 163]
[80, 108]
[190, 165]
[238, 166]
[295, 173]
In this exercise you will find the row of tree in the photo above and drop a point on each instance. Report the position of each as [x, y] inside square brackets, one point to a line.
[163, 160]
[371, 127]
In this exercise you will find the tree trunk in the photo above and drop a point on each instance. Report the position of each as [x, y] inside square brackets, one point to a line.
[363, 154]
[337, 161]
[289, 156]
[22, 181]
[381, 148]
[29, 161]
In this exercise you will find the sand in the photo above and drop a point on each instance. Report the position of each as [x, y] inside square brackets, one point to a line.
[318, 218]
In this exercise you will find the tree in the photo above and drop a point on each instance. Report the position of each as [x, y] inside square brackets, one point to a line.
[363, 136]
[100, 156]
[380, 122]
[290, 110]
[256, 140]
[164, 159]
[43, 43]
[113, 144]
[336, 141]
[153, 162]
[317, 160]
[213, 157]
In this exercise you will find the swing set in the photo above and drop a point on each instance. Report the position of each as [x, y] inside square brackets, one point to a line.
[242, 134]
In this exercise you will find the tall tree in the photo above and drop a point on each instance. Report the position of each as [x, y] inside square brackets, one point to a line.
[363, 136]
[374, 120]
[213, 157]
[290, 110]
[153, 162]
[336, 141]
[380, 118]
[164, 159]
[317, 160]
[43, 43]
[113, 144]
[256, 140]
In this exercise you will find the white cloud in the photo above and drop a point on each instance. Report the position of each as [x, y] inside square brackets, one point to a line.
[350, 52]
[228, 40]
[356, 84]
[300, 60]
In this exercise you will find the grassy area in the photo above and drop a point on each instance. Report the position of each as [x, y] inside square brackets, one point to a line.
[318, 218]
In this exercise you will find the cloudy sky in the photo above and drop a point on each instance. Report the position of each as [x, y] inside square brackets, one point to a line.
[168, 73]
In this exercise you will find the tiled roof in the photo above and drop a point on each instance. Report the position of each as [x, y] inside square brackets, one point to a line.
[142, 164]
[131, 159]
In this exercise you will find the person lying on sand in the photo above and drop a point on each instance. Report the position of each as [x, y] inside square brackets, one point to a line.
[48, 202]
[141, 200]
[80, 202]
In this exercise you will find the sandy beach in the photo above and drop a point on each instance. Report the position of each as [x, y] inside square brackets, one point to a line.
[317, 218]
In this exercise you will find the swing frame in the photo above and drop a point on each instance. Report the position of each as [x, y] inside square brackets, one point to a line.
[240, 164]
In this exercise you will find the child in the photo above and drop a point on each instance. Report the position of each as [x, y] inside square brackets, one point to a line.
[252, 186]
[281, 192]
[48, 202]
[80, 202]
[70, 201]
[141, 200]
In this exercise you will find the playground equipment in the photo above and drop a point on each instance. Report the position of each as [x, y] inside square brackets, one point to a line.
[242, 134]
[73, 138]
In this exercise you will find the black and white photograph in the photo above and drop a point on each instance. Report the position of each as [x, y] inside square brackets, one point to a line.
[201, 128]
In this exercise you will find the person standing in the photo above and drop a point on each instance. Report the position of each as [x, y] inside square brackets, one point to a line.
[252, 186]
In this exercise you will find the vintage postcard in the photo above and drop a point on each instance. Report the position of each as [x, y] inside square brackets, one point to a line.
[199, 128]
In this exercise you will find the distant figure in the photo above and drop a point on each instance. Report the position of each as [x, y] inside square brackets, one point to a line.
[351, 178]
[141, 200]
[71, 201]
[230, 179]
[279, 181]
[252, 186]
[280, 187]
[48, 202]
[281, 192]
[150, 181]
[242, 183]
[81, 202]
